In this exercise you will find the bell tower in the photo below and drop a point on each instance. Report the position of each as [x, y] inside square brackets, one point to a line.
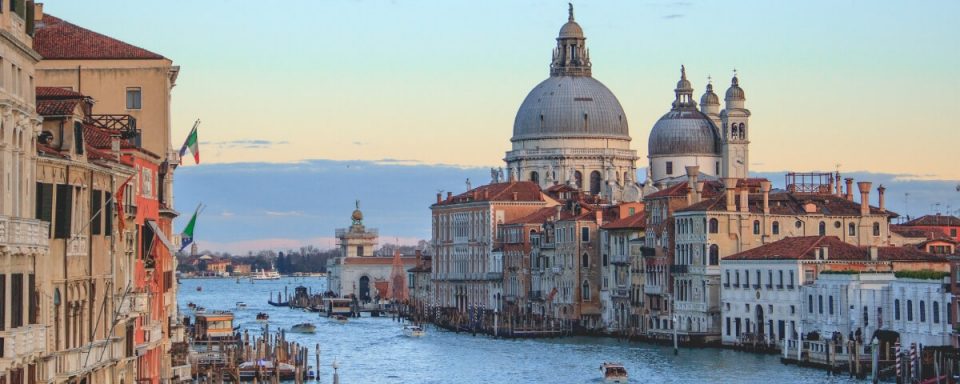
[736, 133]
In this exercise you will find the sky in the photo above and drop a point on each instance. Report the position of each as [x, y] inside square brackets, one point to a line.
[863, 86]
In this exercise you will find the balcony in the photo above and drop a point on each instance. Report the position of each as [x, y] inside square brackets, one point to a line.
[651, 289]
[77, 246]
[181, 373]
[555, 270]
[23, 233]
[535, 295]
[620, 292]
[679, 268]
[620, 260]
[73, 362]
[23, 342]
[494, 276]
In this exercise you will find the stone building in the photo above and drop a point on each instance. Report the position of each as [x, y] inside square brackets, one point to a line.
[571, 129]
[358, 271]
[23, 238]
[621, 263]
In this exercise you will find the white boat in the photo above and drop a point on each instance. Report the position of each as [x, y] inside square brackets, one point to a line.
[613, 372]
[241, 305]
[413, 331]
[303, 328]
[265, 275]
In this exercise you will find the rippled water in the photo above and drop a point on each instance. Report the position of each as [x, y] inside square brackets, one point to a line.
[373, 350]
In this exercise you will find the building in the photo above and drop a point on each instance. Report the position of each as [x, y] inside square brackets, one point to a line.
[358, 271]
[621, 288]
[132, 88]
[419, 285]
[25, 239]
[767, 290]
[218, 268]
[467, 270]
[948, 226]
[571, 129]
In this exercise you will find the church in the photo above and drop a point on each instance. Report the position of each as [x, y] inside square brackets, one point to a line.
[571, 129]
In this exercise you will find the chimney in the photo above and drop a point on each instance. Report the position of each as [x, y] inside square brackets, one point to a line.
[864, 187]
[729, 184]
[419, 257]
[825, 253]
[598, 215]
[880, 190]
[692, 172]
[838, 184]
[449, 195]
[115, 146]
[559, 208]
[486, 194]
[874, 253]
[849, 181]
[765, 188]
[744, 200]
[699, 191]
[37, 11]
[439, 197]
[514, 196]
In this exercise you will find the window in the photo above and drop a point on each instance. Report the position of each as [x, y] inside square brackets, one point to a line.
[133, 98]
[896, 309]
[876, 229]
[44, 207]
[669, 167]
[78, 137]
[728, 326]
[596, 182]
[16, 300]
[776, 228]
[64, 212]
[953, 232]
[714, 226]
[727, 280]
[96, 214]
[866, 316]
[3, 302]
[820, 304]
[810, 303]
[737, 284]
[791, 280]
[585, 294]
[823, 229]
[837, 225]
[909, 310]
[798, 224]
[604, 259]
[535, 177]
[756, 227]
[830, 304]
[359, 250]
[923, 311]
[714, 254]
[585, 260]
[780, 279]
[852, 229]
[585, 234]
[936, 312]
[108, 214]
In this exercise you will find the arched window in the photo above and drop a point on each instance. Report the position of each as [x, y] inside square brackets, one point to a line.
[578, 179]
[585, 260]
[535, 177]
[820, 304]
[714, 226]
[876, 229]
[595, 181]
[923, 311]
[604, 259]
[810, 303]
[936, 312]
[852, 229]
[896, 309]
[823, 229]
[866, 316]
[714, 254]
[743, 131]
[585, 291]
[798, 224]
[909, 310]
[756, 227]
[775, 228]
[830, 304]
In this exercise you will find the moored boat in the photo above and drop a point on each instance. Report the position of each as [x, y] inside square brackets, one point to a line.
[265, 275]
[340, 319]
[303, 328]
[241, 305]
[263, 317]
[413, 331]
[252, 369]
[613, 372]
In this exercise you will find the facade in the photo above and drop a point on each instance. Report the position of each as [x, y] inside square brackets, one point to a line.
[571, 129]
[467, 270]
[419, 285]
[945, 225]
[357, 271]
[24, 239]
[621, 263]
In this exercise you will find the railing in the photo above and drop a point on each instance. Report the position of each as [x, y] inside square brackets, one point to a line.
[84, 359]
[16, 231]
[674, 268]
[620, 260]
[494, 276]
[367, 233]
[572, 152]
[651, 289]
[555, 270]
[180, 373]
[535, 295]
[24, 341]
[620, 292]
[77, 246]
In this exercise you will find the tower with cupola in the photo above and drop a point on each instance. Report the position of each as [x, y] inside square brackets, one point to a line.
[736, 133]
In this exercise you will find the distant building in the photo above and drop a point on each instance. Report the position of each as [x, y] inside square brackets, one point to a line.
[948, 226]
[621, 263]
[218, 267]
[357, 271]
[241, 269]
[419, 285]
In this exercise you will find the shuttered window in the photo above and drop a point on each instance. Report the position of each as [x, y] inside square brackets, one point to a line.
[64, 211]
[34, 299]
[96, 227]
[108, 214]
[16, 300]
[146, 241]
[44, 203]
[78, 137]
[3, 302]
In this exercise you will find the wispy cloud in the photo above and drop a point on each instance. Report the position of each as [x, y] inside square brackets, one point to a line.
[283, 213]
[246, 143]
[673, 16]
[358, 143]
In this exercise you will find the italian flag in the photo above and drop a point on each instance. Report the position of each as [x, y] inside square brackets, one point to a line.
[187, 236]
[192, 144]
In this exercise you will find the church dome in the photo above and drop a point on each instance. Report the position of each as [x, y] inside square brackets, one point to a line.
[709, 98]
[571, 30]
[735, 92]
[684, 132]
[571, 106]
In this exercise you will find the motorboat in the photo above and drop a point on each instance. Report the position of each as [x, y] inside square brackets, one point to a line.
[241, 305]
[303, 328]
[265, 275]
[263, 317]
[199, 310]
[613, 372]
[413, 331]
[340, 319]
[251, 369]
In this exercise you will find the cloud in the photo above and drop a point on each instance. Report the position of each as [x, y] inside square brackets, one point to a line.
[283, 244]
[358, 143]
[673, 16]
[390, 161]
[283, 213]
[227, 214]
[246, 143]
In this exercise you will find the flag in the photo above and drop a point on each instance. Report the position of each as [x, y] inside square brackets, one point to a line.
[186, 238]
[192, 144]
[118, 196]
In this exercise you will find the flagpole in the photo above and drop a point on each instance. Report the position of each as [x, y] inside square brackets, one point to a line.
[112, 199]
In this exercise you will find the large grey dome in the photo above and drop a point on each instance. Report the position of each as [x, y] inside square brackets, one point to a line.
[570, 106]
[684, 131]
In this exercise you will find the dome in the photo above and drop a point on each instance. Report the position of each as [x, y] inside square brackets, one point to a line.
[357, 215]
[709, 98]
[735, 92]
[571, 106]
[571, 30]
[684, 132]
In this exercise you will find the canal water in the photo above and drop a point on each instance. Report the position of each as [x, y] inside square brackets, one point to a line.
[373, 350]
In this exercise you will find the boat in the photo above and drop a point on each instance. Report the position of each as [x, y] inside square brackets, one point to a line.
[413, 331]
[265, 275]
[613, 372]
[263, 317]
[340, 319]
[303, 328]
[252, 369]
[199, 310]
[241, 305]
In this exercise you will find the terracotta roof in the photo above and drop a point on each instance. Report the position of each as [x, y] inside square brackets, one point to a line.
[57, 107]
[539, 216]
[804, 248]
[711, 188]
[57, 93]
[59, 39]
[934, 221]
[786, 203]
[523, 190]
[637, 221]
[49, 151]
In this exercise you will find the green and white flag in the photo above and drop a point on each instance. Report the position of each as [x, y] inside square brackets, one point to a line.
[192, 144]
[186, 238]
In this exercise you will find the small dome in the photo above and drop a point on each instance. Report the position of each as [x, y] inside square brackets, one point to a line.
[735, 92]
[684, 132]
[709, 98]
[357, 215]
[571, 30]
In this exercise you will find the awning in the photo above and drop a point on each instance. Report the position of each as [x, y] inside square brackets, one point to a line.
[163, 238]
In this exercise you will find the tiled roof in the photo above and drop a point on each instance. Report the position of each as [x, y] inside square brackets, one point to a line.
[57, 107]
[786, 203]
[934, 221]
[58, 39]
[537, 217]
[57, 93]
[637, 221]
[515, 191]
[804, 248]
[711, 188]
[49, 151]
